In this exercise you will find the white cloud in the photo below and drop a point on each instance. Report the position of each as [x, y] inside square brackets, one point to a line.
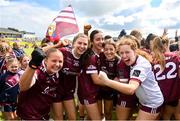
[26, 17]
[96, 8]
[118, 20]
[107, 15]
[4, 2]
[153, 20]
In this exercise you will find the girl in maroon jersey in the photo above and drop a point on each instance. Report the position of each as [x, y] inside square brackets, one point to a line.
[9, 89]
[108, 63]
[167, 72]
[38, 85]
[88, 79]
[71, 69]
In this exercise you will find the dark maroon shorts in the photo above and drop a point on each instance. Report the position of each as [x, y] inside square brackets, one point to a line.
[129, 101]
[106, 95]
[88, 99]
[65, 96]
[150, 110]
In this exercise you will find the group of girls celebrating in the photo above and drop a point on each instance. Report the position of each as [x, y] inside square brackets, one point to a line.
[102, 71]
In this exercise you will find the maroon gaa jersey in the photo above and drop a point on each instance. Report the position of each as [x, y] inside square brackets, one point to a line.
[71, 65]
[67, 75]
[86, 86]
[123, 71]
[34, 104]
[168, 79]
[108, 66]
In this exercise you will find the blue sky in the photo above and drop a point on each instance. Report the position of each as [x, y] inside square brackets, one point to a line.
[110, 16]
[51, 4]
[155, 3]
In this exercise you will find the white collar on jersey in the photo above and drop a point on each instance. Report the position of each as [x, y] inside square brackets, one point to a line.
[95, 53]
[73, 53]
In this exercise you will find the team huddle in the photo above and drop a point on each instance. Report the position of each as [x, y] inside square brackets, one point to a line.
[128, 74]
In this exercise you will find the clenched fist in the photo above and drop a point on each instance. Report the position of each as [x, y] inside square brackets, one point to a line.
[87, 27]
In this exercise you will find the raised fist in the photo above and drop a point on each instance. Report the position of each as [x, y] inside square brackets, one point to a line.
[87, 27]
[37, 56]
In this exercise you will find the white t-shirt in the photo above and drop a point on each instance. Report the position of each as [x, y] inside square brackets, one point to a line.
[148, 92]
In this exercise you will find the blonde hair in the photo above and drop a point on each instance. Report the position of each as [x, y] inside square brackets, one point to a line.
[78, 36]
[158, 49]
[10, 60]
[165, 42]
[109, 42]
[132, 42]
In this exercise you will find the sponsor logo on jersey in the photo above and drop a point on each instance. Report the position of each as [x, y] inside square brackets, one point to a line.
[91, 67]
[111, 64]
[76, 63]
[49, 91]
[136, 73]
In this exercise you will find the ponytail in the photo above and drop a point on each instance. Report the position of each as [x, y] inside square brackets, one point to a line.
[158, 50]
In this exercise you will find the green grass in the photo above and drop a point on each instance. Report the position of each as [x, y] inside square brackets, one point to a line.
[28, 51]
[30, 48]
[1, 118]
